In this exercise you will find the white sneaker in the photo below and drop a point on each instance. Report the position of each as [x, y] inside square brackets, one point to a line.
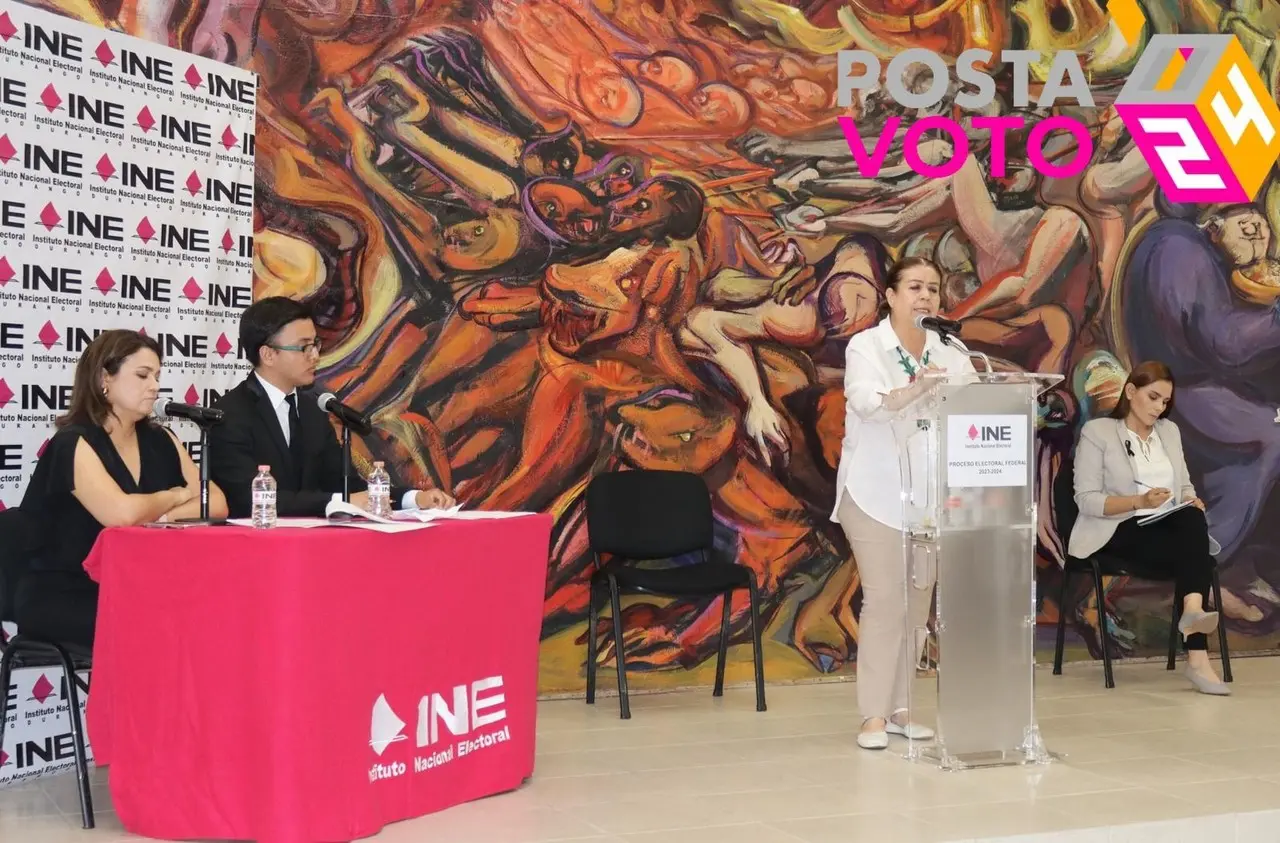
[873, 740]
[913, 731]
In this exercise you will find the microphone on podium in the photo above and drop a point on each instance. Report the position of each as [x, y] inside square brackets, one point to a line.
[946, 327]
[191, 412]
[949, 331]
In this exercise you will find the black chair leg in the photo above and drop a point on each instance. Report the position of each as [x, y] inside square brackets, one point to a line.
[77, 737]
[1062, 621]
[593, 617]
[757, 651]
[1173, 628]
[619, 650]
[1223, 649]
[6, 671]
[723, 653]
[1108, 677]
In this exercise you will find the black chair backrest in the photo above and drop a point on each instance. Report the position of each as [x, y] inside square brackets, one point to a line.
[20, 538]
[649, 514]
[1065, 511]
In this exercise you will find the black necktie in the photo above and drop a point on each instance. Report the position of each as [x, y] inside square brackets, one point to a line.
[295, 434]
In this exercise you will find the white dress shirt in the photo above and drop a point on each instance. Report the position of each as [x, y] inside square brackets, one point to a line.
[280, 403]
[870, 469]
[1152, 467]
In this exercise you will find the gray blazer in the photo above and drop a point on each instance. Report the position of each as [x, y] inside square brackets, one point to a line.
[1103, 469]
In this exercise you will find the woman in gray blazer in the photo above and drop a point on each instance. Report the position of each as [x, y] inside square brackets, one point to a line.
[1129, 466]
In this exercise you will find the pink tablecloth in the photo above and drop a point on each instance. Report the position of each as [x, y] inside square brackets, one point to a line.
[298, 686]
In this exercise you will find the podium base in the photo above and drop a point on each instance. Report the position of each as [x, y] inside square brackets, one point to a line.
[935, 753]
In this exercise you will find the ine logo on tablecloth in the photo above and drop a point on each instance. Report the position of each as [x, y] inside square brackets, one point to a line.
[385, 727]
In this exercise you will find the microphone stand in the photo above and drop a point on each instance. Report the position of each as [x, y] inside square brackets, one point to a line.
[954, 342]
[204, 474]
[204, 480]
[346, 464]
[331, 406]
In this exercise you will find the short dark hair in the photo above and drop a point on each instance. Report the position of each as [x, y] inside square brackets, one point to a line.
[1145, 374]
[106, 354]
[263, 319]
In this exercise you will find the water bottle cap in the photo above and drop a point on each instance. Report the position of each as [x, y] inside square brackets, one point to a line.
[264, 468]
[378, 464]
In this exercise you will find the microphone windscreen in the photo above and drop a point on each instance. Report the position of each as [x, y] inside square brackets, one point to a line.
[161, 407]
[324, 400]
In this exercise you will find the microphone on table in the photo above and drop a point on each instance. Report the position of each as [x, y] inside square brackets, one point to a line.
[946, 327]
[349, 416]
[204, 418]
[191, 412]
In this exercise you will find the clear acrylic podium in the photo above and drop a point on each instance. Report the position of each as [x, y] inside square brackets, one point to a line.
[967, 449]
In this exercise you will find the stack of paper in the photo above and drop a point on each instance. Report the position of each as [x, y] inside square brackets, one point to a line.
[341, 514]
[406, 519]
[453, 513]
[1164, 511]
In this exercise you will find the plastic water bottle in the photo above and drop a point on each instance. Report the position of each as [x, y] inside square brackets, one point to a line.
[379, 490]
[264, 499]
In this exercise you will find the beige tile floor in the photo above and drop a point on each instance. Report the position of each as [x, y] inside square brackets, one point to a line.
[1153, 760]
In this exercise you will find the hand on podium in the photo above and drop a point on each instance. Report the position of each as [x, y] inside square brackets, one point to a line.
[896, 399]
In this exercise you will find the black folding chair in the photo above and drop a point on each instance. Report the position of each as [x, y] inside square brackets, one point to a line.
[1103, 565]
[19, 543]
[637, 516]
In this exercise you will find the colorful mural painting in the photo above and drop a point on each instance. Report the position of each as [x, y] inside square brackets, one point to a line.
[551, 238]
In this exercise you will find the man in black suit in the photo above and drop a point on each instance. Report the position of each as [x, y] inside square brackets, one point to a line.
[267, 422]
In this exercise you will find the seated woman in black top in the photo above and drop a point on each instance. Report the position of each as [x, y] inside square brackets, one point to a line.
[108, 465]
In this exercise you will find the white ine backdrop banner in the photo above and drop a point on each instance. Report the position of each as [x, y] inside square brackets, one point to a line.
[126, 201]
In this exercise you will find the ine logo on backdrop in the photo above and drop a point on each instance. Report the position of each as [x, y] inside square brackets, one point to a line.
[1196, 107]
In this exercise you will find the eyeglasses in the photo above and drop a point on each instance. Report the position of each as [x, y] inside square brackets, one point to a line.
[306, 348]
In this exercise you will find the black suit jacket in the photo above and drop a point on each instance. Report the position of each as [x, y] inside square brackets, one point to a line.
[250, 436]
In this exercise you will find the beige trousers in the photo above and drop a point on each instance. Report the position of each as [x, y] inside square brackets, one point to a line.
[887, 654]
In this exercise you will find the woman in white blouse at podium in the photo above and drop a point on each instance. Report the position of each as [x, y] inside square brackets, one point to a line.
[1129, 466]
[882, 365]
